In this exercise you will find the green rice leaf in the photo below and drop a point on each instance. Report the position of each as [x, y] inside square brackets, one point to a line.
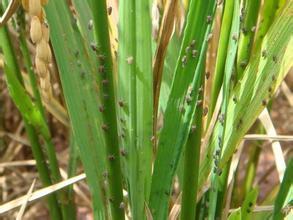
[135, 86]
[249, 97]
[285, 195]
[179, 112]
[78, 81]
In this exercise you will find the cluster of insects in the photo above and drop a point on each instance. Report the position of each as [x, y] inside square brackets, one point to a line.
[216, 157]
[189, 49]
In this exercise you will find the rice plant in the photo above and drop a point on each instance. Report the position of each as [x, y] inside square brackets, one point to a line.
[157, 98]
